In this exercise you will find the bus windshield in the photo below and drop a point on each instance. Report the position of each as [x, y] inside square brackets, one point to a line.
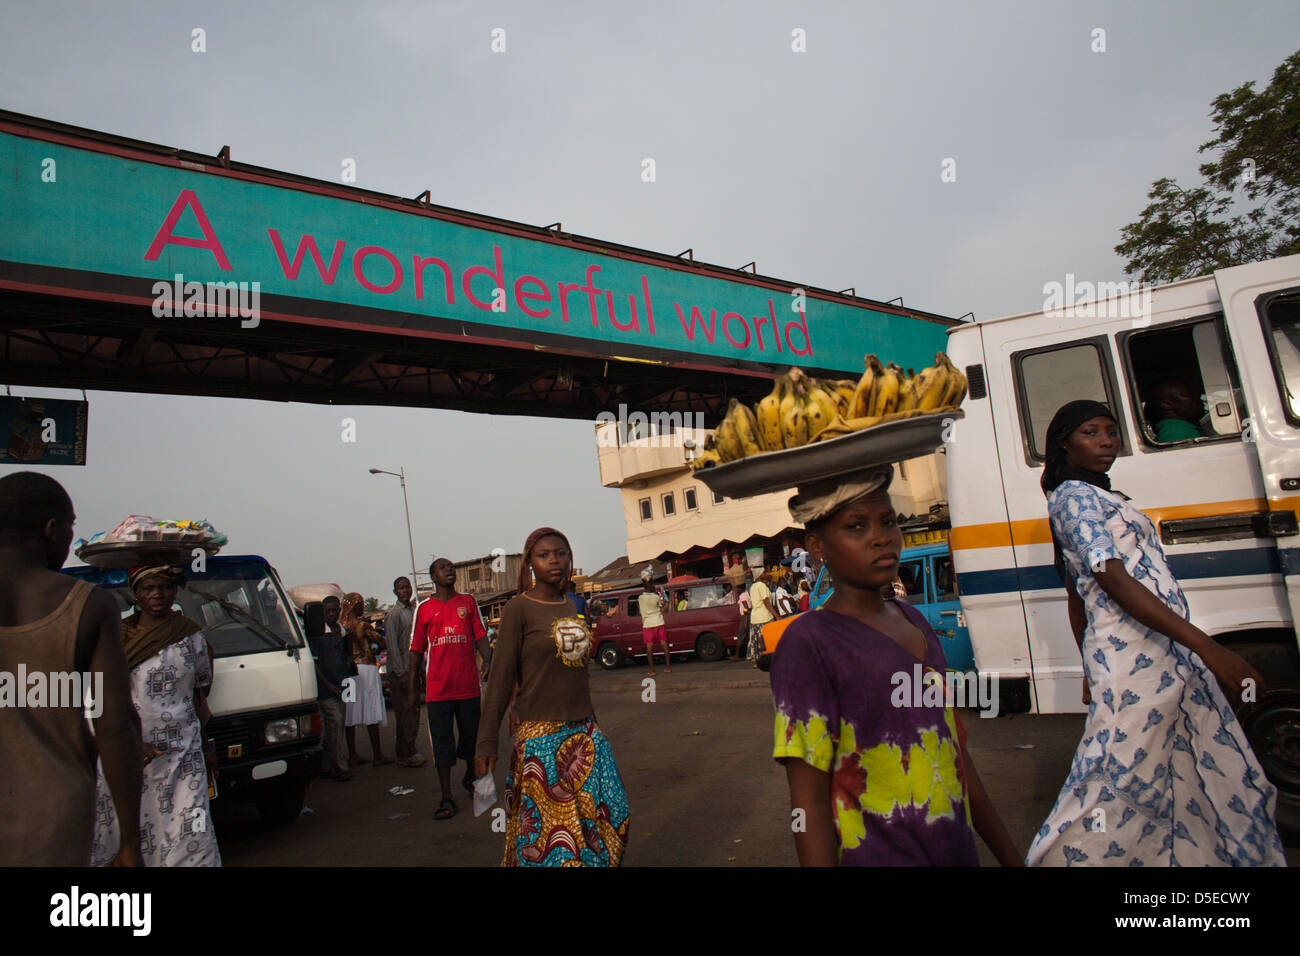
[235, 601]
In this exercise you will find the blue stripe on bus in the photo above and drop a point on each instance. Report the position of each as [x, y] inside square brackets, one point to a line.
[1209, 564]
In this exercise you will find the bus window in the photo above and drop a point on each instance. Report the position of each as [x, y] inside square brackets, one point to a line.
[1282, 327]
[912, 574]
[1184, 382]
[1048, 378]
[945, 585]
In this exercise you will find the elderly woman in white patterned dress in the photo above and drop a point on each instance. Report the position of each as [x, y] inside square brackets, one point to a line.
[170, 666]
[1164, 775]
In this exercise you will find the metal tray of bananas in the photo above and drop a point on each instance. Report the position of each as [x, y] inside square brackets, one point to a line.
[881, 444]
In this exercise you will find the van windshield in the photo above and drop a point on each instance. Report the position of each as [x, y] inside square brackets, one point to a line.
[235, 601]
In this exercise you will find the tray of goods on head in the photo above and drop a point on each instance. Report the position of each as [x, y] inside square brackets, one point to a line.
[808, 430]
[140, 540]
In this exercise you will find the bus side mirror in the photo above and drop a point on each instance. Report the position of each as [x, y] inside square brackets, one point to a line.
[313, 619]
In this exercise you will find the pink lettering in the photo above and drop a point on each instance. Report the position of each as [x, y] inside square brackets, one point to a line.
[417, 270]
[801, 325]
[165, 236]
[498, 277]
[592, 291]
[649, 312]
[634, 325]
[520, 295]
[726, 321]
[776, 329]
[307, 244]
[360, 255]
[565, 288]
[697, 318]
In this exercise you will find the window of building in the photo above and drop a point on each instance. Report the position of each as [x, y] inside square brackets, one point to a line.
[1048, 378]
[670, 508]
[646, 514]
[717, 498]
[1184, 382]
[688, 500]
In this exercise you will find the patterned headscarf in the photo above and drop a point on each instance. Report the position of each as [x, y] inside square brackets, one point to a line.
[140, 642]
[169, 572]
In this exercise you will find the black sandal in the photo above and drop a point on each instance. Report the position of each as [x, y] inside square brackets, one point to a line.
[446, 810]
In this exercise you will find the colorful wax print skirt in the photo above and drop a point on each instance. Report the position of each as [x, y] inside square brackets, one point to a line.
[564, 798]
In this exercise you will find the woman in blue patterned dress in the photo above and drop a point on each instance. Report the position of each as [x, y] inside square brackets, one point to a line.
[1164, 775]
[170, 666]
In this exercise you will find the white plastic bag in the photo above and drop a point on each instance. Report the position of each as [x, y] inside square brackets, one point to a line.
[485, 794]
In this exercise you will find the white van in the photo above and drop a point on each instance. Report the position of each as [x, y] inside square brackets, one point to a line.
[1225, 503]
[265, 719]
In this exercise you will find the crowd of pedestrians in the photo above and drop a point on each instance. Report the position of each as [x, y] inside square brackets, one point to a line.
[138, 791]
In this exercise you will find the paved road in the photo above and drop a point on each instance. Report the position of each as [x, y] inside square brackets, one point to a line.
[695, 761]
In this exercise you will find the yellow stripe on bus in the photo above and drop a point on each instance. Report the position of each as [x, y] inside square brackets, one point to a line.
[1004, 534]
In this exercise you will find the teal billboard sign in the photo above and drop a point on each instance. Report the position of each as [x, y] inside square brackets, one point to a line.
[253, 246]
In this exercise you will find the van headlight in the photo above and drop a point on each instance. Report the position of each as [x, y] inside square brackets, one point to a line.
[280, 731]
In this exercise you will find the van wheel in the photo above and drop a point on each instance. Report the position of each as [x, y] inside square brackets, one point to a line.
[1273, 728]
[610, 656]
[709, 648]
[282, 804]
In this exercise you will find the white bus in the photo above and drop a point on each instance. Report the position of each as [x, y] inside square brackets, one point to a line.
[1225, 502]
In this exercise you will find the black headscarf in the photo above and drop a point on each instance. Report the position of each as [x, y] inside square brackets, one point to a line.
[1057, 468]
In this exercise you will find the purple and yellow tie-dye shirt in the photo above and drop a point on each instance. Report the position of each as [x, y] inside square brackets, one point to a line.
[898, 795]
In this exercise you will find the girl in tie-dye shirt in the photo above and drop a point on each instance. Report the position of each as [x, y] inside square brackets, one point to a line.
[881, 778]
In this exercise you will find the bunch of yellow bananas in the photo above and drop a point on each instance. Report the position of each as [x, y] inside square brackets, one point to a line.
[887, 393]
[800, 409]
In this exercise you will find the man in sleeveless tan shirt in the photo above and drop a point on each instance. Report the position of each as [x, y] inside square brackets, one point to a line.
[55, 630]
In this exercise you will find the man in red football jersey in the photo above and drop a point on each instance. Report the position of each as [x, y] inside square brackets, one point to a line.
[448, 626]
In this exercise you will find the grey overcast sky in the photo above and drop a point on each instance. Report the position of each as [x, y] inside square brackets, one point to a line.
[823, 166]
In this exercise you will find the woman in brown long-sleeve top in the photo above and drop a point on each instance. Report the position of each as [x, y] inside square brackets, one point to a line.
[564, 798]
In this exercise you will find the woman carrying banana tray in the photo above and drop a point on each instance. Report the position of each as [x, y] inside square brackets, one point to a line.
[873, 784]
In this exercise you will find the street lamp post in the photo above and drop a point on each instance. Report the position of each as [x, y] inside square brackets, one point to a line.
[415, 581]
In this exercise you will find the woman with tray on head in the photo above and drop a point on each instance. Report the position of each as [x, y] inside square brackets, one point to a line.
[1164, 775]
[170, 668]
[879, 778]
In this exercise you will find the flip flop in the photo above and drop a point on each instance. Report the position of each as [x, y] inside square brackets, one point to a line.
[446, 810]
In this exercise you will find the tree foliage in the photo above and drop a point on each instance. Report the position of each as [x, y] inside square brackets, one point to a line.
[1190, 232]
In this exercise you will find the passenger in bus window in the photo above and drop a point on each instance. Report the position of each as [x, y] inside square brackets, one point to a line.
[1175, 412]
[1164, 775]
